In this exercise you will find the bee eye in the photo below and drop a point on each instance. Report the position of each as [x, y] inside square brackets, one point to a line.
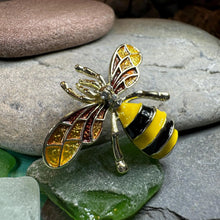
[102, 97]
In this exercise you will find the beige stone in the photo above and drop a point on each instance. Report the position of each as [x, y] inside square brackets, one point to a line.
[30, 27]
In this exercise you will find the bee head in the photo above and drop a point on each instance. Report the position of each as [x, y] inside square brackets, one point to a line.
[108, 96]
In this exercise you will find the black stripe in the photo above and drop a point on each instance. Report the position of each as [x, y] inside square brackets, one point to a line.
[140, 122]
[160, 140]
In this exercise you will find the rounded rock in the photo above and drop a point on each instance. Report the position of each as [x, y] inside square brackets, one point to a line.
[36, 27]
[178, 58]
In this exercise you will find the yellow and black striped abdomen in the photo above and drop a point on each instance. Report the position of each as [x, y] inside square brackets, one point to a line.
[148, 128]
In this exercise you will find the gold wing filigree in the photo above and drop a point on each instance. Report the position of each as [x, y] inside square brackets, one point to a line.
[65, 139]
[123, 68]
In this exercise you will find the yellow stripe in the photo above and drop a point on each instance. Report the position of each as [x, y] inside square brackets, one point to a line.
[167, 147]
[151, 131]
[127, 112]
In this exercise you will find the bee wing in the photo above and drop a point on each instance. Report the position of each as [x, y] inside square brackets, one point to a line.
[65, 139]
[123, 68]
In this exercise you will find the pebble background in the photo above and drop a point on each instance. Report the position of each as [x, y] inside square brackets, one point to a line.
[178, 58]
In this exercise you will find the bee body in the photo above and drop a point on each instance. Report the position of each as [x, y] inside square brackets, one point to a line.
[148, 128]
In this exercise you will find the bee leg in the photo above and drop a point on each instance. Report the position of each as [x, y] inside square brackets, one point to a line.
[161, 96]
[86, 91]
[90, 73]
[90, 83]
[119, 158]
[76, 96]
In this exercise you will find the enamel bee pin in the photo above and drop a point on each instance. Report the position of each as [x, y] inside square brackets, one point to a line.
[147, 127]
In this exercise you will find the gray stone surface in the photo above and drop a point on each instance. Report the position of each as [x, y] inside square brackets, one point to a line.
[19, 199]
[178, 58]
[153, 213]
[192, 175]
[30, 27]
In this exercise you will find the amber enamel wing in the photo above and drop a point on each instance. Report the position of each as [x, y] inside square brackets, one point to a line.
[84, 126]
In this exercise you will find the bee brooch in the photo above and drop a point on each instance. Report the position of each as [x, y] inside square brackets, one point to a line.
[147, 127]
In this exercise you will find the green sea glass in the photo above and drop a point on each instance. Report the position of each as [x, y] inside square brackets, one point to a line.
[90, 187]
[7, 162]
